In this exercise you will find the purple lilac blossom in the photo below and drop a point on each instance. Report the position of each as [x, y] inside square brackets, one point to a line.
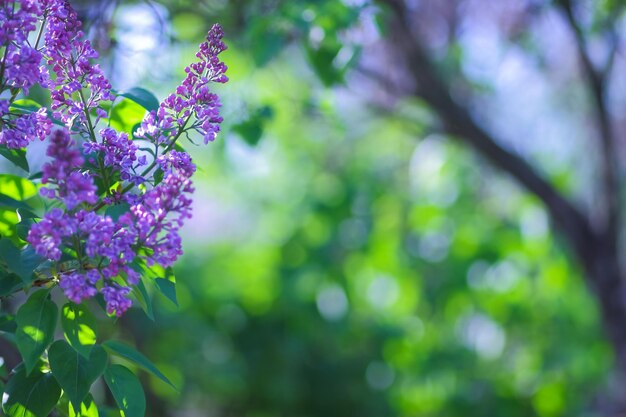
[70, 57]
[72, 186]
[119, 152]
[21, 69]
[192, 97]
[155, 221]
[48, 234]
[19, 130]
[110, 251]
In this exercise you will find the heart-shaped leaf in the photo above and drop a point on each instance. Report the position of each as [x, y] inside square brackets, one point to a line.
[33, 395]
[74, 372]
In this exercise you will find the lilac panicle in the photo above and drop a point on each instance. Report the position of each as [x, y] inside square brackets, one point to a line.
[71, 185]
[48, 234]
[109, 251]
[192, 98]
[20, 69]
[69, 56]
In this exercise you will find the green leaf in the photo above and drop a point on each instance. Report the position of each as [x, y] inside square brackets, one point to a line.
[7, 323]
[26, 103]
[141, 96]
[36, 320]
[167, 287]
[158, 176]
[33, 395]
[124, 351]
[10, 202]
[115, 211]
[322, 60]
[9, 283]
[22, 262]
[74, 372]
[251, 130]
[16, 156]
[125, 114]
[23, 227]
[87, 408]
[144, 299]
[164, 280]
[126, 390]
[26, 107]
[17, 187]
[79, 327]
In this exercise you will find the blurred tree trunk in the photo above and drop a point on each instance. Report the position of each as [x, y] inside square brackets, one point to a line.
[594, 244]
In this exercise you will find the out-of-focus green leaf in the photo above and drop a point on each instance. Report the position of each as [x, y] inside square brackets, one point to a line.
[116, 210]
[7, 323]
[125, 114]
[167, 286]
[23, 227]
[322, 59]
[251, 130]
[7, 201]
[16, 156]
[16, 187]
[143, 97]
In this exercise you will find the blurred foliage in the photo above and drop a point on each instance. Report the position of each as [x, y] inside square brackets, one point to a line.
[346, 261]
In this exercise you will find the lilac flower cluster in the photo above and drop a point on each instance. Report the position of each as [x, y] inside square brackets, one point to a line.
[19, 70]
[120, 153]
[192, 97]
[71, 186]
[107, 253]
[19, 130]
[69, 56]
[20, 63]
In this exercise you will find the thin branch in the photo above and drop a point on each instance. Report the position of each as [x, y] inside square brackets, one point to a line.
[596, 81]
[457, 122]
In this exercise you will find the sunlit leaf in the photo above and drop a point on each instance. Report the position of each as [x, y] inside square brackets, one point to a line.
[142, 97]
[17, 187]
[87, 408]
[16, 156]
[79, 327]
[36, 321]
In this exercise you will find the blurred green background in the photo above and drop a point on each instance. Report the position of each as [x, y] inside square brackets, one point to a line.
[347, 258]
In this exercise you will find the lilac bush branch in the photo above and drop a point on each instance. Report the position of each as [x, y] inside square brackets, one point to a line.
[110, 252]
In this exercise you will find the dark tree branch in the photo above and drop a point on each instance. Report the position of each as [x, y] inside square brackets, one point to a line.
[457, 122]
[598, 254]
[596, 80]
